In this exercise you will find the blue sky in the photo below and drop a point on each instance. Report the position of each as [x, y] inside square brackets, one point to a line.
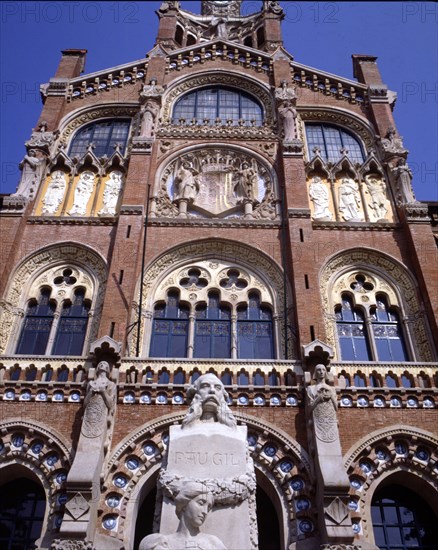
[403, 35]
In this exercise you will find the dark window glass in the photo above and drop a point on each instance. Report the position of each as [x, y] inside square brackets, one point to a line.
[103, 135]
[37, 325]
[259, 379]
[254, 331]
[387, 333]
[170, 329]
[226, 379]
[70, 335]
[222, 103]
[402, 520]
[22, 507]
[330, 140]
[212, 329]
[353, 339]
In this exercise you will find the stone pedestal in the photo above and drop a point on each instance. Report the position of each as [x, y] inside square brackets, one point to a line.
[216, 454]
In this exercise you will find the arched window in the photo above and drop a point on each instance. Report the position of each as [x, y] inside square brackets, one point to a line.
[218, 103]
[212, 329]
[402, 520]
[22, 508]
[170, 328]
[387, 332]
[72, 327]
[104, 135]
[254, 330]
[330, 140]
[353, 338]
[37, 324]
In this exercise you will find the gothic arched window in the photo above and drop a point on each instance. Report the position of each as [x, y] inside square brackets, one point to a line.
[254, 330]
[22, 508]
[387, 332]
[330, 140]
[170, 328]
[217, 103]
[104, 135]
[72, 327]
[37, 325]
[352, 334]
[402, 520]
[212, 329]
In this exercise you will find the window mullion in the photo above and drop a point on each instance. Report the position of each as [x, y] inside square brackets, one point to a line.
[54, 328]
[191, 332]
[407, 334]
[234, 334]
[370, 333]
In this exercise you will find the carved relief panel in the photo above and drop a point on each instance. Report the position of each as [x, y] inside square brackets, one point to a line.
[83, 195]
[216, 183]
[347, 199]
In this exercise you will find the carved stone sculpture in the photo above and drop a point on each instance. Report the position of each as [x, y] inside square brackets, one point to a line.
[349, 200]
[111, 194]
[323, 404]
[377, 191]
[319, 195]
[207, 464]
[218, 28]
[31, 167]
[193, 502]
[55, 193]
[393, 143]
[208, 402]
[151, 91]
[247, 182]
[149, 114]
[99, 402]
[288, 114]
[83, 192]
[186, 182]
[42, 139]
[403, 177]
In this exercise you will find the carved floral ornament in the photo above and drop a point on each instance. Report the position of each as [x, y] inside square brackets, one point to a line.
[216, 182]
[47, 268]
[139, 456]
[381, 272]
[43, 451]
[395, 450]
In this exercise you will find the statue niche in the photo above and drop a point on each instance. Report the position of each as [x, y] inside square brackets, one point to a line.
[215, 183]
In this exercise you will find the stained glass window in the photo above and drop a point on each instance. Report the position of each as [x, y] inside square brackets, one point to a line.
[170, 328]
[352, 334]
[103, 135]
[402, 520]
[212, 329]
[218, 103]
[37, 324]
[387, 332]
[330, 140]
[72, 327]
[22, 508]
[254, 330]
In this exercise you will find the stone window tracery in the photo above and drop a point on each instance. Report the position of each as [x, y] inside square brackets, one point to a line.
[368, 320]
[218, 311]
[57, 321]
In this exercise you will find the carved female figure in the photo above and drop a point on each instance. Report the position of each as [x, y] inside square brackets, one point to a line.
[349, 200]
[319, 195]
[193, 502]
[31, 168]
[83, 192]
[323, 404]
[186, 182]
[247, 184]
[376, 189]
[288, 115]
[99, 402]
[150, 112]
[55, 193]
[111, 194]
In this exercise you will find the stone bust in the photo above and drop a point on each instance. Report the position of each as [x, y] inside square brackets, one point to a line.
[208, 402]
[193, 502]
